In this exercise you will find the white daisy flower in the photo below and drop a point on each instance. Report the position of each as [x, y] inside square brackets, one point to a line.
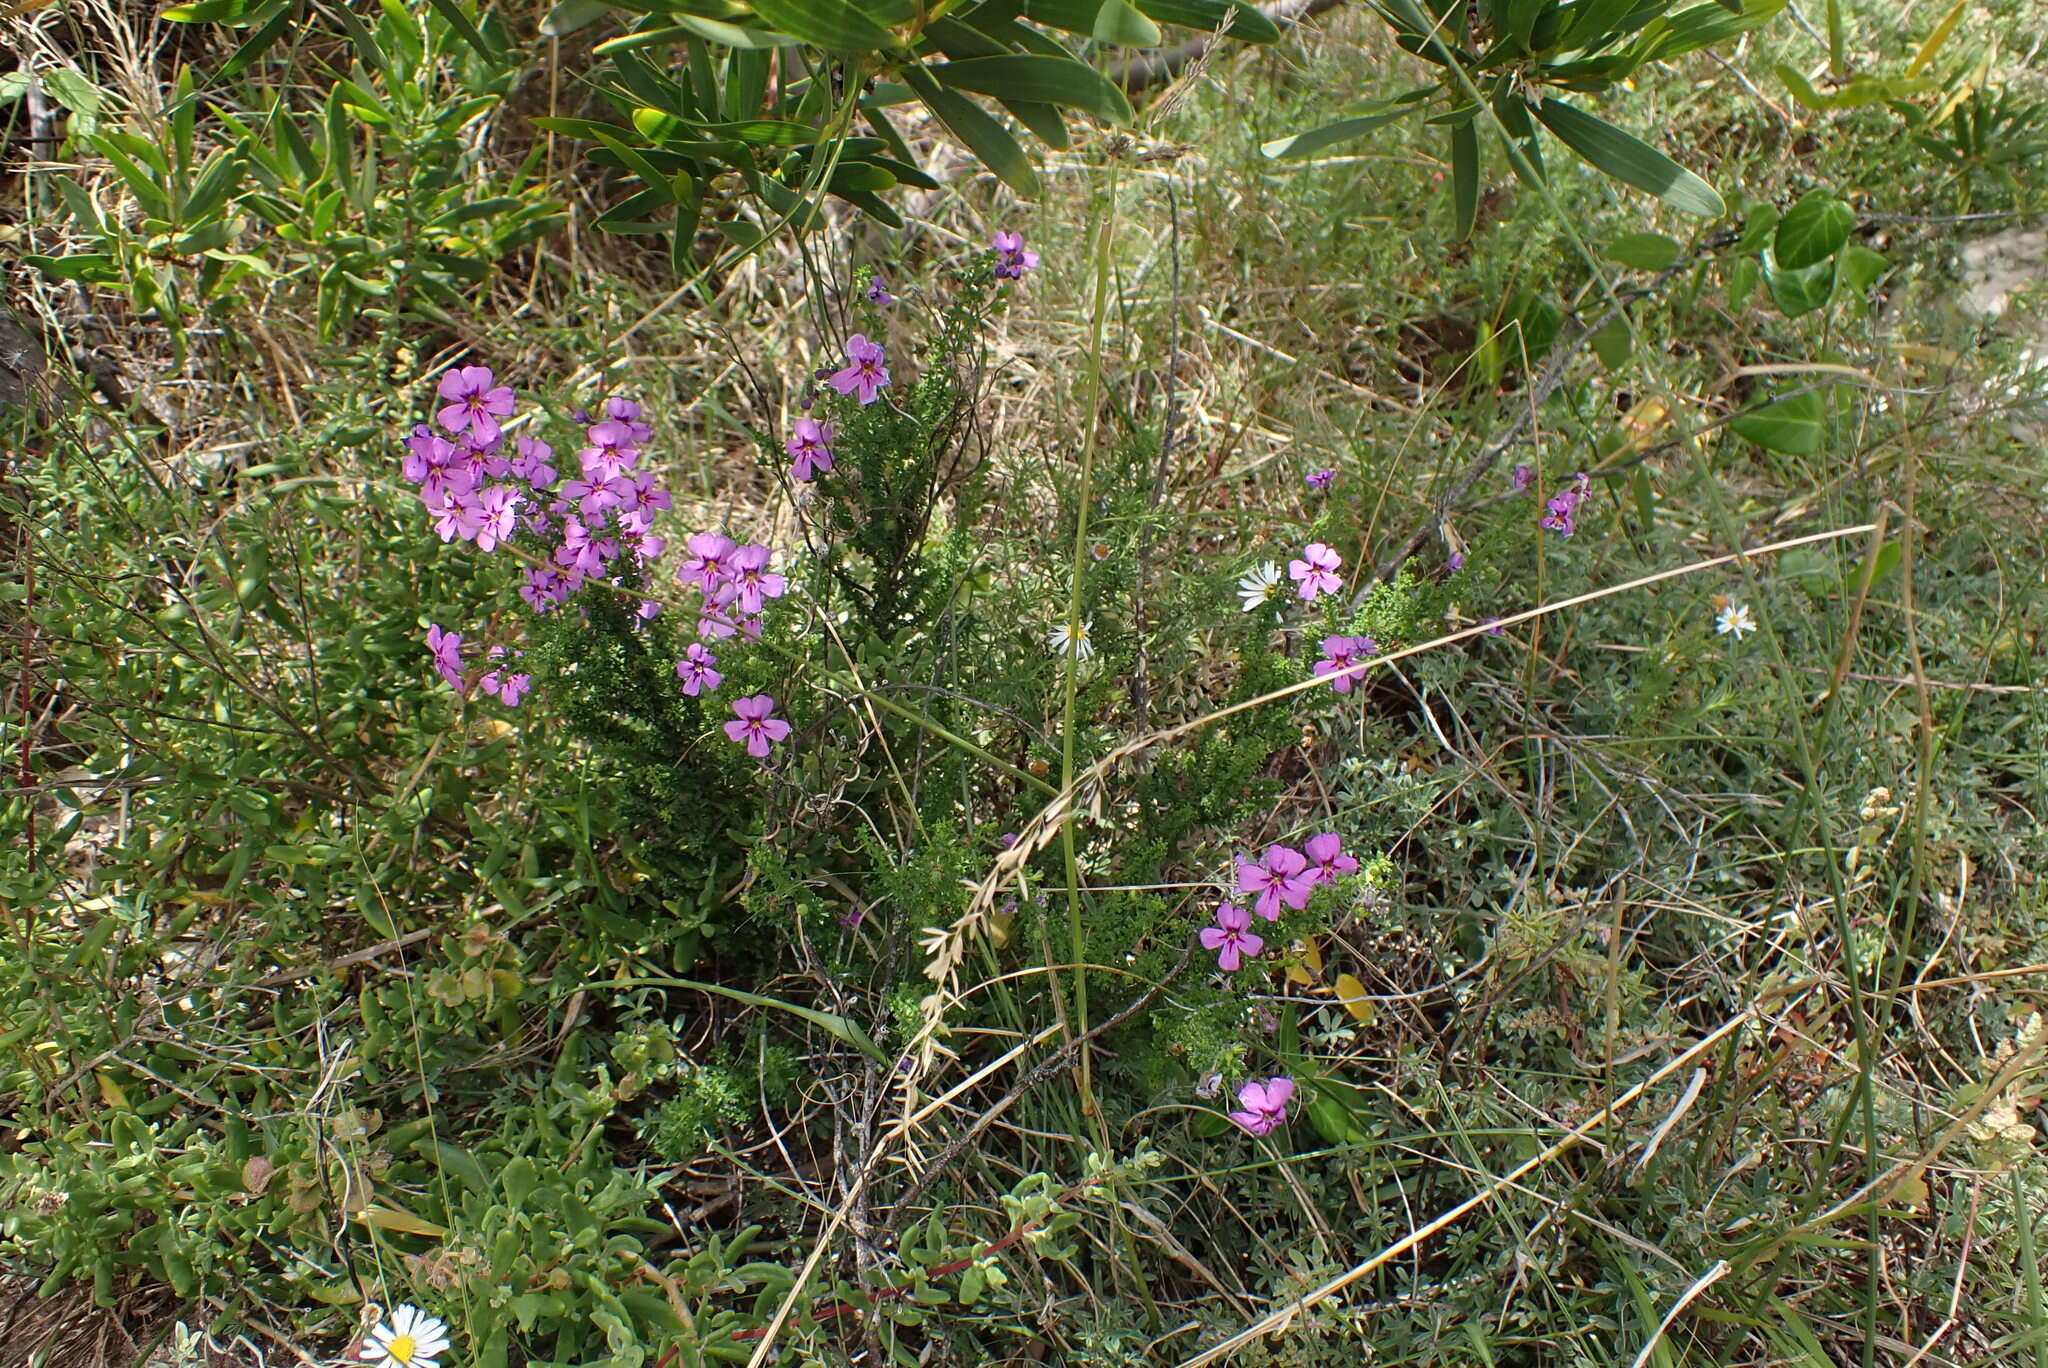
[1734, 620]
[1259, 586]
[1061, 640]
[410, 1339]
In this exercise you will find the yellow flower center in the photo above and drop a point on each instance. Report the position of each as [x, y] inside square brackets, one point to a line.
[401, 1348]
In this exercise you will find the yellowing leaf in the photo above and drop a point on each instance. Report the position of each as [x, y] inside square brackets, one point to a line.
[403, 1222]
[1351, 993]
[111, 1092]
[1305, 966]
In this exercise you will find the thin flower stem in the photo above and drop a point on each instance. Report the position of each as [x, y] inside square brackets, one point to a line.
[1105, 235]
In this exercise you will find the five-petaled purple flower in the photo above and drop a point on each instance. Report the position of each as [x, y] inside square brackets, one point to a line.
[1326, 857]
[696, 671]
[1263, 1105]
[878, 293]
[752, 580]
[755, 726]
[474, 404]
[865, 370]
[710, 562]
[1560, 508]
[1340, 653]
[1316, 571]
[1231, 938]
[812, 448]
[1321, 479]
[1013, 258]
[1281, 877]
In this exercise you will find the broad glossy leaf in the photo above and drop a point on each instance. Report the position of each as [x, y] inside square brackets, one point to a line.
[836, 25]
[1812, 231]
[973, 125]
[1799, 292]
[1860, 267]
[1792, 426]
[1046, 80]
[1630, 160]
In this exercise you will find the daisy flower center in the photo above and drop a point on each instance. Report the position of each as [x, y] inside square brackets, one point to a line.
[401, 1348]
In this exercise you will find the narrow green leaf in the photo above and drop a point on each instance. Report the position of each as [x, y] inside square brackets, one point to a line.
[974, 126]
[1812, 231]
[1046, 80]
[570, 15]
[1307, 144]
[1464, 181]
[465, 28]
[1247, 23]
[1630, 160]
[834, 25]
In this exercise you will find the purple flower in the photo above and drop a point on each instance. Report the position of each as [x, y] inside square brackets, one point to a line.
[474, 404]
[1326, 857]
[1231, 938]
[1316, 571]
[447, 651]
[1013, 259]
[532, 462]
[641, 498]
[496, 514]
[878, 293]
[1493, 627]
[1282, 877]
[1264, 1105]
[1456, 562]
[755, 726]
[812, 448]
[627, 412]
[514, 688]
[457, 515]
[1321, 479]
[752, 580]
[865, 370]
[1558, 513]
[710, 562]
[611, 452]
[1341, 653]
[696, 671]
[544, 589]
[1523, 475]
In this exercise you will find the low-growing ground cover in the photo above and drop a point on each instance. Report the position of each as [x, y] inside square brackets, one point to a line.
[1207, 767]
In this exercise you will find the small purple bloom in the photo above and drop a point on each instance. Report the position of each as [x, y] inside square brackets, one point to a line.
[1231, 938]
[1493, 627]
[1558, 513]
[1326, 857]
[1013, 258]
[710, 562]
[1341, 653]
[812, 448]
[611, 452]
[1281, 877]
[447, 651]
[497, 516]
[1316, 571]
[865, 371]
[1264, 1105]
[532, 462]
[752, 580]
[696, 671]
[878, 293]
[756, 727]
[1523, 476]
[1456, 562]
[475, 404]
[457, 515]
[1321, 479]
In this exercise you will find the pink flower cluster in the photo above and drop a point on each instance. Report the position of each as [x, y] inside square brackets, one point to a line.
[446, 648]
[735, 583]
[1282, 876]
[474, 490]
